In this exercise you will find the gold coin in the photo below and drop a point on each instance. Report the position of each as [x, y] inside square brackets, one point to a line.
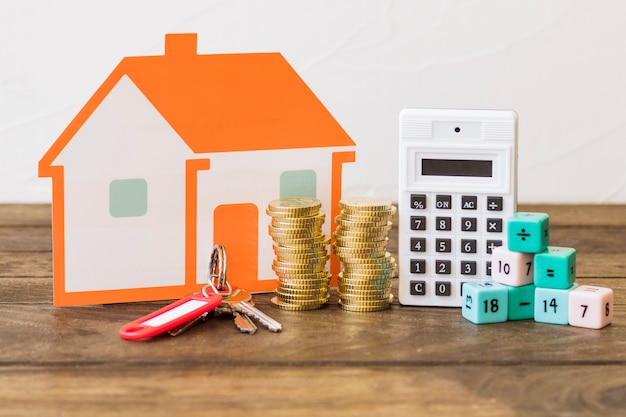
[299, 249]
[348, 221]
[291, 275]
[372, 218]
[351, 243]
[363, 309]
[374, 266]
[307, 241]
[371, 260]
[363, 279]
[364, 228]
[281, 305]
[371, 291]
[366, 303]
[291, 297]
[360, 237]
[365, 275]
[304, 287]
[389, 212]
[298, 268]
[365, 204]
[302, 257]
[374, 293]
[357, 253]
[294, 206]
[302, 221]
[375, 283]
[295, 232]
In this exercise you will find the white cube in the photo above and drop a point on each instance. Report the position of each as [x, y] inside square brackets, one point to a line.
[590, 307]
[512, 268]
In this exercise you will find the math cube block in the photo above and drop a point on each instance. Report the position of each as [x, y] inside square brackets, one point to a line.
[551, 305]
[512, 268]
[555, 267]
[528, 232]
[485, 302]
[521, 302]
[590, 307]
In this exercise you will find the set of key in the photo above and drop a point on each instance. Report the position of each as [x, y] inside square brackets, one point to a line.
[239, 305]
[217, 298]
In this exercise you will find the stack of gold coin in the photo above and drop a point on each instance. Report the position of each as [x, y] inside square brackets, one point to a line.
[301, 250]
[361, 246]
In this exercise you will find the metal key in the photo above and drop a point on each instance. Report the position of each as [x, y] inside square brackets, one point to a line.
[247, 308]
[242, 321]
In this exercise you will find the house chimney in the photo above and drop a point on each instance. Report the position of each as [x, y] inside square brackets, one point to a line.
[181, 44]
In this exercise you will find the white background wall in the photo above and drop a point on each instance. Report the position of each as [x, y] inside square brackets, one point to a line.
[560, 64]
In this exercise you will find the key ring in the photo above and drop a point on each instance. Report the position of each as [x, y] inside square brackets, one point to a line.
[217, 273]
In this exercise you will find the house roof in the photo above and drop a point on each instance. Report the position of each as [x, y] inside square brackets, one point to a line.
[223, 102]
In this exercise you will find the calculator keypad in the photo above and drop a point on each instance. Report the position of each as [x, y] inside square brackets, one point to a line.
[449, 240]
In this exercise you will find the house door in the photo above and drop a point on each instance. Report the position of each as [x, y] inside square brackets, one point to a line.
[236, 227]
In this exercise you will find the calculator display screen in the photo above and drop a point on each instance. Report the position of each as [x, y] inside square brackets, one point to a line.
[457, 167]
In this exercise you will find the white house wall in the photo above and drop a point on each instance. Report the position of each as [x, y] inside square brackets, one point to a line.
[254, 177]
[125, 138]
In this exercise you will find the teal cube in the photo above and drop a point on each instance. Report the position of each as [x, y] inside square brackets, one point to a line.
[528, 232]
[522, 302]
[555, 268]
[552, 305]
[485, 302]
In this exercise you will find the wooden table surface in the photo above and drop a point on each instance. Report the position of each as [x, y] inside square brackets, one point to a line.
[404, 361]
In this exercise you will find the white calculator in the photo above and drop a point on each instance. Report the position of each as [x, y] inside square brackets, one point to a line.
[457, 187]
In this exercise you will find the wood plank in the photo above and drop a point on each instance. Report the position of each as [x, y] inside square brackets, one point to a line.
[25, 215]
[25, 239]
[403, 361]
[41, 335]
[214, 389]
[579, 214]
[25, 264]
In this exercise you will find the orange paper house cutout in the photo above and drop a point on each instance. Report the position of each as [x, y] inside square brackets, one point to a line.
[177, 152]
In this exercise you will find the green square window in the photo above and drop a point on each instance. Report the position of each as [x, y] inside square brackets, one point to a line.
[298, 184]
[128, 198]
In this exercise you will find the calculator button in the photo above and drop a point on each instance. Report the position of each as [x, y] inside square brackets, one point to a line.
[469, 202]
[494, 203]
[418, 244]
[443, 245]
[443, 288]
[443, 202]
[488, 268]
[443, 267]
[469, 224]
[492, 244]
[494, 225]
[468, 245]
[418, 287]
[418, 201]
[418, 266]
[443, 223]
[468, 267]
[418, 222]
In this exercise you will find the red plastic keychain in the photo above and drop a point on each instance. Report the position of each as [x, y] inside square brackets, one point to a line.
[171, 316]
[186, 310]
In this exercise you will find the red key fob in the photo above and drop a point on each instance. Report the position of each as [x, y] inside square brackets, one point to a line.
[170, 316]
